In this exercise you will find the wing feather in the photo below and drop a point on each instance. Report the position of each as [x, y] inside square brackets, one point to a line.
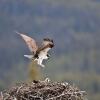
[31, 43]
[44, 48]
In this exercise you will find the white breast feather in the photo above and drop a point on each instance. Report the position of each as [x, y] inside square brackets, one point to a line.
[43, 54]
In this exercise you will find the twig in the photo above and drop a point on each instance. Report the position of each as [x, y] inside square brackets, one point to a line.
[19, 89]
[56, 96]
[1, 96]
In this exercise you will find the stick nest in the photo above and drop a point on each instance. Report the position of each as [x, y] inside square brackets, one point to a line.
[43, 90]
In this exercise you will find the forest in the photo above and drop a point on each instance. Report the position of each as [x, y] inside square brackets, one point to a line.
[74, 25]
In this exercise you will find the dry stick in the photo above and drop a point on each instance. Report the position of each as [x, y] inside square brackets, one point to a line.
[19, 89]
[15, 98]
[7, 96]
[1, 96]
[68, 90]
[56, 96]
[36, 97]
[80, 92]
[23, 98]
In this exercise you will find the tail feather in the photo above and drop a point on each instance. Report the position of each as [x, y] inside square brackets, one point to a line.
[28, 56]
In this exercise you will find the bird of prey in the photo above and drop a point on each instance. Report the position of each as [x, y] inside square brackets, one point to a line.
[38, 53]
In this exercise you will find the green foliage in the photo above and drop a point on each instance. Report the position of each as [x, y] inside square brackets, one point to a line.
[75, 27]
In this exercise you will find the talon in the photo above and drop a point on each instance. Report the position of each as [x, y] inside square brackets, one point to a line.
[42, 65]
[48, 55]
[48, 58]
[35, 59]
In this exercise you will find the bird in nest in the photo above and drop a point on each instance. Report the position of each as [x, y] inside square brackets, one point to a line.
[39, 53]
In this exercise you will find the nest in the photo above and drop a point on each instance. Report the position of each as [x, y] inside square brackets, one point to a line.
[43, 90]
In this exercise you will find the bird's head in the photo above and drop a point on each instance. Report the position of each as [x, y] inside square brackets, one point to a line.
[47, 41]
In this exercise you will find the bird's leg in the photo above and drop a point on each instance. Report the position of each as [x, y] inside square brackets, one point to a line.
[48, 55]
[35, 59]
[40, 62]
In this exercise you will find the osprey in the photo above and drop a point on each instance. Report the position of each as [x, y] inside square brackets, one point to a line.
[38, 53]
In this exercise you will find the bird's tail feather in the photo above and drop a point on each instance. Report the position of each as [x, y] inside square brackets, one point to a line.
[28, 56]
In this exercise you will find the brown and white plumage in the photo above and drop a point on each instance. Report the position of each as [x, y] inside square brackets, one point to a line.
[31, 43]
[38, 53]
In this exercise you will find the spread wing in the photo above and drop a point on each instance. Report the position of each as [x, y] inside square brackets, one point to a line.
[31, 43]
